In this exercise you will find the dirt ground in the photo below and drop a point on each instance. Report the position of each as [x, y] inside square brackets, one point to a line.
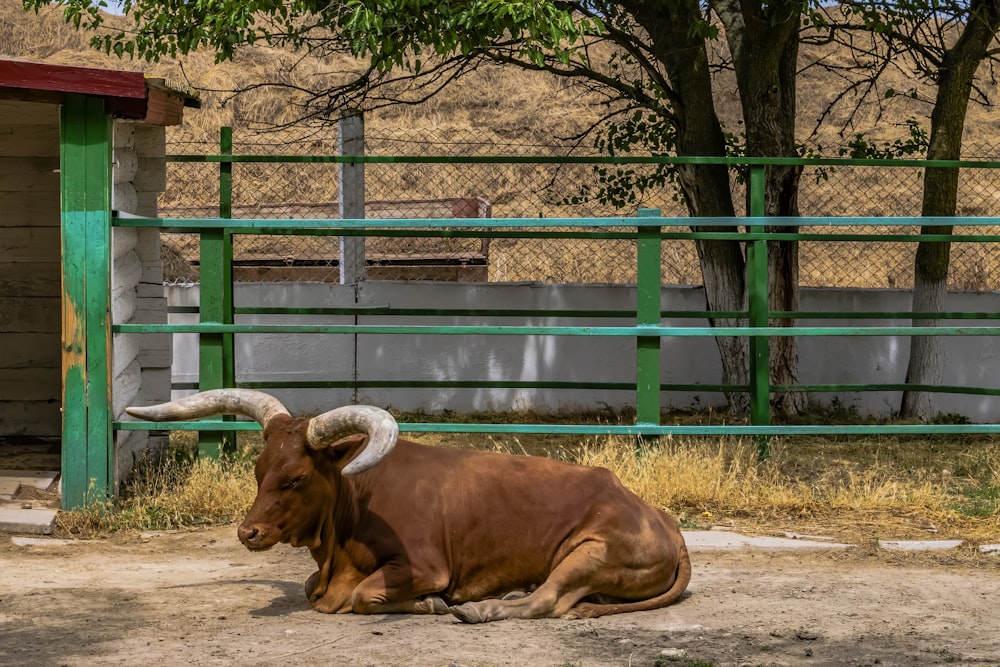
[198, 598]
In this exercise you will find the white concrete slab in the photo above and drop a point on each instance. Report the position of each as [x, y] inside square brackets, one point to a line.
[9, 488]
[803, 536]
[918, 545]
[39, 541]
[32, 522]
[708, 540]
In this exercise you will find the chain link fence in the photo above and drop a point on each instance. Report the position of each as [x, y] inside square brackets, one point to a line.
[470, 190]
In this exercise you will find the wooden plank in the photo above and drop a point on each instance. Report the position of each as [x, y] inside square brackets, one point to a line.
[147, 204]
[24, 209]
[123, 306]
[38, 418]
[29, 140]
[36, 174]
[128, 383]
[127, 271]
[29, 315]
[19, 113]
[74, 340]
[164, 108]
[151, 175]
[38, 279]
[150, 142]
[157, 352]
[124, 239]
[33, 245]
[70, 79]
[351, 185]
[124, 198]
[87, 468]
[155, 385]
[29, 350]
[126, 166]
[125, 349]
[30, 384]
[97, 190]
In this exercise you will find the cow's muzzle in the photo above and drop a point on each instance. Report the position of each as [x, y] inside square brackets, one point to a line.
[254, 537]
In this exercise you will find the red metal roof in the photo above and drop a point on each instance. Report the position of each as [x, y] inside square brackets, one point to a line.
[127, 94]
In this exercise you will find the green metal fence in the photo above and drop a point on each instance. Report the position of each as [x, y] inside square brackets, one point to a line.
[649, 231]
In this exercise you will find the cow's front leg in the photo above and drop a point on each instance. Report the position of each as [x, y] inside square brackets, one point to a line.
[332, 597]
[392, 590]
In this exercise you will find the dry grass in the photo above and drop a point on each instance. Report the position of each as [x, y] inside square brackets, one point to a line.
[855, 489]
[713, 483]
[173, 492]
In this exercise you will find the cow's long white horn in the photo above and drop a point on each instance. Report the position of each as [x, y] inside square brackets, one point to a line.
[378, 424]
[257, 405]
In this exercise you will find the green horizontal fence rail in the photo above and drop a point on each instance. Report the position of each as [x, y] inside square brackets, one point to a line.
[648, 229]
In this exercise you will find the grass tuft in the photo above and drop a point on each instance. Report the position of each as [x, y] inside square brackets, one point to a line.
[173, 492]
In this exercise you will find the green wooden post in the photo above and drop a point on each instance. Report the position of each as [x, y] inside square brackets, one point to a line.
[216, 367]
[760, 366]
[85, 168]
[647, 312]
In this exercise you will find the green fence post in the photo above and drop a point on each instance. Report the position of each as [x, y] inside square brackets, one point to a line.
[757, 302]
[647, 312]
[85, 169]
[216, 368]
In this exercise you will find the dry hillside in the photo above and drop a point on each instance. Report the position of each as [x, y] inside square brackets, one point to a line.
[516, 107]
[506, 111]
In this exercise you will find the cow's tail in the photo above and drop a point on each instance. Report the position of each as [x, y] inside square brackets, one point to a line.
[671, 595]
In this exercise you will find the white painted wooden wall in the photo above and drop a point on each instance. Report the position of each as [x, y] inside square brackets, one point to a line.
[140, 363]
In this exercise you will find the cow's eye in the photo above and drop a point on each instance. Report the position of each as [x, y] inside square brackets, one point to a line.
[291, 484]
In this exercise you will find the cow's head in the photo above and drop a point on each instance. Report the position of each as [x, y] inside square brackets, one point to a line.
[299, 470]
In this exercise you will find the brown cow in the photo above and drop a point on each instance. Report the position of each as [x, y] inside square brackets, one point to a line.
[481, 535]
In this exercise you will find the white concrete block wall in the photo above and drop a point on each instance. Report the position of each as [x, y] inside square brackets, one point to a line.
[823, 360]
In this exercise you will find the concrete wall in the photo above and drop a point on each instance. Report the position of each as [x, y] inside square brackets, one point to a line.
[30, 315]
[973, 361]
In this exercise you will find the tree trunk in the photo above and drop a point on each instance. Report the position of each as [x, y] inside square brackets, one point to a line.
[706, 188]
[763, 41]
[930, 277]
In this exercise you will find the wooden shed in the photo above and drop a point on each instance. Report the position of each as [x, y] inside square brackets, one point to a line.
[75, 144]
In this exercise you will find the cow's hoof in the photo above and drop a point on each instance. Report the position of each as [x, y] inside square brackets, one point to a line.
[468, 613]
[436, 605]
[310, 586]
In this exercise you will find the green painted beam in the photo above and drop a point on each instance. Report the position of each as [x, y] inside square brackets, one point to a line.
[85, 168]
[587, 385]
[757, 301]
[918, 430]
[647, 312]
[591, 159]
[430, 225]
[494, 330]
[216, 361]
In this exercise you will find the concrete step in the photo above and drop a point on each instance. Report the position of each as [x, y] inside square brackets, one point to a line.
[27, 514]
[11, 481]
[31, 522]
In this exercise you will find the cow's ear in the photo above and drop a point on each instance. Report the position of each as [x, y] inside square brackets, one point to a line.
[343, 451]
